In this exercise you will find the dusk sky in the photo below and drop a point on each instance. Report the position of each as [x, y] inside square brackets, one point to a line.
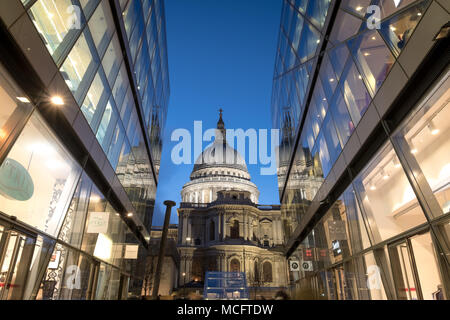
[221, 55]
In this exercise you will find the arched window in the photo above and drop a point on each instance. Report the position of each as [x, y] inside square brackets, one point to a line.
[212, 231]
[256, 271]
[267, 271]
[234, 232]
[235, 265]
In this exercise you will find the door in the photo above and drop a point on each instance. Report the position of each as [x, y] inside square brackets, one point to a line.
[403, 271]
[16, 251]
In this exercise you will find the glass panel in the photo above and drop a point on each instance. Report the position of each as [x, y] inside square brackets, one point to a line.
[356, 225]
[328, 77]
[398, 29]
[358, 7]
[101, 26]
[346, 25]
[388, 200]
[58, 22]
[426, 264]
[317, 11]
[112, 60]
[38, 178]
[95, 101]
[331, 138]
[355, 92]
[426, 140]
[388, 7]
[107, 126]
[371, 279]
[402, 271]
[308, 43]
[338, 57]
[344, 124]
[373, 57]
[74, 222]
[104, 276]
[76, 66]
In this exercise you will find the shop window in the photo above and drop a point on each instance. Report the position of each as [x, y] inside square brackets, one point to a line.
[425, 143]
[426, 262]
[74, 221]
[45, 178]
[387, 199]
[372, 281]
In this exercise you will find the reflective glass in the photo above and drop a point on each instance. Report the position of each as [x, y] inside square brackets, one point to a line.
[338, 57]
[398, 29]
[346, 25]
[373, 57]
[107, 125]
[328, 77]
[355, 92]
[308, 43]
[101, 26]
[334, 147]
[317, 11]
[112, 60]
[78, 67]
[58, 23]
[95, 101]
[388, 7]
[341, 117]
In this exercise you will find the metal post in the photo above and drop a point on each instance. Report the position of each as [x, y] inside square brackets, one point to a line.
[169, 204]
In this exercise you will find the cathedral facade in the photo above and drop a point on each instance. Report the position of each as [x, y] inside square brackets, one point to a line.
[223, 228]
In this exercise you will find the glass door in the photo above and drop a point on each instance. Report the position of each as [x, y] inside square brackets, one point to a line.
[405, 281]
[16, 251]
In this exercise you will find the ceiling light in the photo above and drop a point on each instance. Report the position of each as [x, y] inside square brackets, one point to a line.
[331, 80]
[130, 214]
[374, 38]
[396, 163]
[23, 99]
[419, 14]
[56, 100]
[2, 134]
[433, 129]
[366, 54]
[393, 28]
[372, 187]
[359, 76]
[358, 8]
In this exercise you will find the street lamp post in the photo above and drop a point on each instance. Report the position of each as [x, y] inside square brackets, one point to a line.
[188, 239]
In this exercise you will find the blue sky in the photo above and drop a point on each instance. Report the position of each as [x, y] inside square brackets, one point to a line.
[221, 54]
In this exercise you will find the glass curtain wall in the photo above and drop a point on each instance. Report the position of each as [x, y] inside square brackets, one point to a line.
[82, 39]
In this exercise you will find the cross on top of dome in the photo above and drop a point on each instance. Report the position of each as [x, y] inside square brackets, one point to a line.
[220, 123]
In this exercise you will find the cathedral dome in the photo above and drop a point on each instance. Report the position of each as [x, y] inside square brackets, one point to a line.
[219, 167]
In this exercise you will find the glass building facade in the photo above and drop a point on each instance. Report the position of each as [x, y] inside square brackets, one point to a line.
[84, 89]
[363, 110]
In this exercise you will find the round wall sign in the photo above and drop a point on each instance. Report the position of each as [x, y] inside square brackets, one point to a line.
[15, 181]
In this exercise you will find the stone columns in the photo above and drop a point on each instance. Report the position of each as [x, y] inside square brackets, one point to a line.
[224, 226]
[216, 227]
